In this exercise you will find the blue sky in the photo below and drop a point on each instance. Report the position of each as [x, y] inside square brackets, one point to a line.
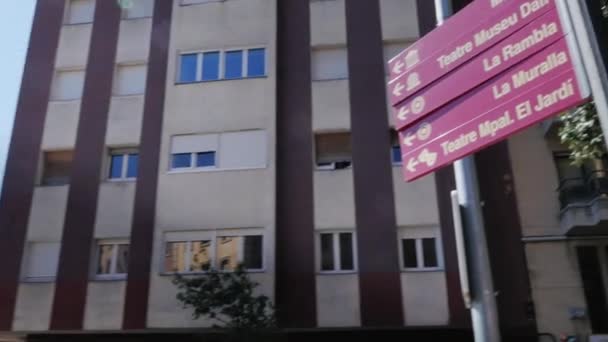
[15, 25]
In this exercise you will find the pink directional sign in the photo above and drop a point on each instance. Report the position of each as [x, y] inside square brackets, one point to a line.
[468, 135]
[505, 88]
[443, 35]
[501, 23]
[536, 36]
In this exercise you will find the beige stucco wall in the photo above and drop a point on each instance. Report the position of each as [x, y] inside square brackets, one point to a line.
[415, 202]
[330, 106]
[184, 200]
[134, 40]
[73, 50]
[105, 303]
[338, 300]
[61, 125]
[114, 210]
[33, 307]
[327, 23]
[399, 19]
[124, 121]
[334, 199]
[425, 298]
[47, 213]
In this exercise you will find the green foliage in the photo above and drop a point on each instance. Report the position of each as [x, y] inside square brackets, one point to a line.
[582, 134]
[228, 298]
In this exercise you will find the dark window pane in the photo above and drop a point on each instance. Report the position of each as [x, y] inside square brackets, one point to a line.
[409, 253]
[252, 254]
[211, 66]
[180, 160]
[205, 159]
[429, 251]
[104, 259]
[234, 64]
[346, 252]
[327, 252]
[396, 152]
[122, 259]
[188, 68]
[132, 166]
[116, 166]
[256, 65]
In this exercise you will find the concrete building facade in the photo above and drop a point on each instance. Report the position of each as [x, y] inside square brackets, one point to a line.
[179, 134]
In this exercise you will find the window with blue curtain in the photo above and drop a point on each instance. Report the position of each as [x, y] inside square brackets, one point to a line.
[188, 65]
[181, 160]
[396, 152]
[233, 65]
[116, 166]
[211, 66]
[256, 63]
[205, 159]
[132, 165]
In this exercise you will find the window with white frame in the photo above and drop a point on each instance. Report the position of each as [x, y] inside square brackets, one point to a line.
[41, 261]
[228, 150]
[337, 252]
[112, 259]
[396, 156]
[217, 65]
[80, 11]
[195, 252]
[138, 9]
[420, 254]
[67, 85]
[329, 64]
[124, 164]
[333, 151]
[130, 79]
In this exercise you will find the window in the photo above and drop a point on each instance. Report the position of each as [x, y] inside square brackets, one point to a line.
[123, 164]
[130, 79]
[420, 254]
[56, 167]
[42, 260]
[329, 64]
[192, 252]
[80, 11]
[112, 259]
[333, 151]
[216, 65]
[396, 156]
[337, 252]
[67, 85]
[139, 9]
[228, 150]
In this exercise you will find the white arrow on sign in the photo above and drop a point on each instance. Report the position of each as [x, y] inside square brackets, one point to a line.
[411, 165]
[398, 88]
[408, 139]
[398, 67]
[403, 113]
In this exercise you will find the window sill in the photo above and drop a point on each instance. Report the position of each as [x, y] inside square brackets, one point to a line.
[333, 273]
[331, 79]
[121, 180]
[51, 185]
[136, 18]
[201, 3]
[194, 274]
[177, 83]
[109, 278]
[64, 100]
[41, 280]
[332, 170]
[422, 270]
[122, 96]
[204, 170]
[78, 24]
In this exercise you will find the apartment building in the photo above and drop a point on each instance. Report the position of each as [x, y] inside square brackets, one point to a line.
[179, 134]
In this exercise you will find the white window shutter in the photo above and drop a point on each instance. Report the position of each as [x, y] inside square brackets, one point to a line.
[80, 11]
[329, 64]
[68, 85]
[130, 80]
[42, 260]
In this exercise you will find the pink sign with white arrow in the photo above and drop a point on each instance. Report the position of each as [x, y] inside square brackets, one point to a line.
[454, 53]
[468, 136]
[443, 35]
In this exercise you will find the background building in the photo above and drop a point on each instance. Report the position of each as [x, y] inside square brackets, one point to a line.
[183, 133]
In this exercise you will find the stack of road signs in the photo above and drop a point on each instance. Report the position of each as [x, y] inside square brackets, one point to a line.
[495, 68]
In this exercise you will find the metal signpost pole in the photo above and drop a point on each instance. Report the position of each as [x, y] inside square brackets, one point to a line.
[483, 305]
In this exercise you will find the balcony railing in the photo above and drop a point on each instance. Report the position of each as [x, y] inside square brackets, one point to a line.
[577, 191]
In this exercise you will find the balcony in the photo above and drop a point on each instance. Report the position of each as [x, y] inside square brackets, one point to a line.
[584, 204]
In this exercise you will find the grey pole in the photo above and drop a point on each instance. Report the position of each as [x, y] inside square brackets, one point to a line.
[484, 313]
[591, 58]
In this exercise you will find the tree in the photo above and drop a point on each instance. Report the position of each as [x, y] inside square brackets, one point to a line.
[582, 134]
[227, 298]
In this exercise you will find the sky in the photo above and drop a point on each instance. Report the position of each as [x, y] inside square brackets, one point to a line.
[15, 26]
